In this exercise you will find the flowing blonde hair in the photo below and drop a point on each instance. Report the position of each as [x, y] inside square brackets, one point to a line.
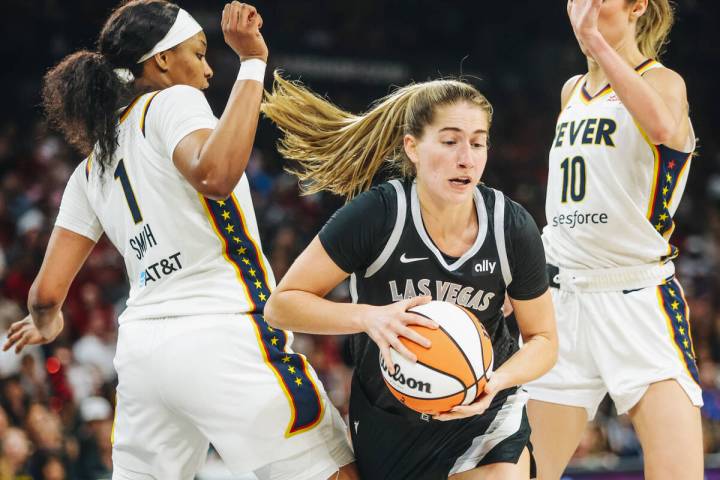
[653, 28]
[340, 152]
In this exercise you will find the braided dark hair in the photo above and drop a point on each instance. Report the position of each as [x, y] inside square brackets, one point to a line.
[82, 94]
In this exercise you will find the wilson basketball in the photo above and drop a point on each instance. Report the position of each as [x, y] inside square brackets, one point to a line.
[453, 371]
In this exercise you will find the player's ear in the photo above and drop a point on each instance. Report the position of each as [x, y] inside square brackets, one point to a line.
[162, 61]
[638, 9]
[410, 147]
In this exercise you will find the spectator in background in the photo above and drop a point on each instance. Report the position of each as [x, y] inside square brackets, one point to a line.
[95, 460]
[14, 453]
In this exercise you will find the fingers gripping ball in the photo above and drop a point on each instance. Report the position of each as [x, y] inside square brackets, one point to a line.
[453, 371]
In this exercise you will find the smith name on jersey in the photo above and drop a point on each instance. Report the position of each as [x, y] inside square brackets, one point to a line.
[184, 254]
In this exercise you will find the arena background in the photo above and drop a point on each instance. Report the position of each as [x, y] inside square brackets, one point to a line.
[56, 401]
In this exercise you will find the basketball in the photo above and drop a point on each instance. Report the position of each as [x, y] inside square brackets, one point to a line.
[453, 371]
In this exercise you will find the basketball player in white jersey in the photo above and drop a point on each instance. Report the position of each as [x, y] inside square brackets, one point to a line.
[196, 361]
[618, 167]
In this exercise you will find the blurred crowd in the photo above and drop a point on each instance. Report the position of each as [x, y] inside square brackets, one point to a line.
[56, 401]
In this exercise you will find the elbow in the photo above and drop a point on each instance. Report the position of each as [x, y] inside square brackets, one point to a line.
[271, 312]
[215, 190]
[661, 134]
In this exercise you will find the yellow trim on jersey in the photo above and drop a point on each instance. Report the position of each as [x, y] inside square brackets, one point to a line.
[280, 380]
[687, 318]
[680, 175]
[145, 110]
[671, 331]
[224, 245]
[115, 414]
[584, 94]
[127, 110]
[650, 64]
[88, 166]
[261, 256]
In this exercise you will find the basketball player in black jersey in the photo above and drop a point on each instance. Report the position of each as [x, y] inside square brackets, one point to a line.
[432, 233]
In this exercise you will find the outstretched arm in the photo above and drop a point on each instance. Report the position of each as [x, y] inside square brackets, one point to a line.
[657, 100]
[66, 253]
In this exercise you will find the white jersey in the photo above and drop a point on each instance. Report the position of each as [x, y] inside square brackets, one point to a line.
[184, 254]
[611, 193]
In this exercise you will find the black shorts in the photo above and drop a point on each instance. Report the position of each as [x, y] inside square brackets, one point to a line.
[391, 447]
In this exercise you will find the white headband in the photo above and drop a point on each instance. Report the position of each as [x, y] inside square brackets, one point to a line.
[184, 27]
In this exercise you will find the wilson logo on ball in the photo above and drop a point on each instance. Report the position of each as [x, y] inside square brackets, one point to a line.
[400, 379]
[453, 371]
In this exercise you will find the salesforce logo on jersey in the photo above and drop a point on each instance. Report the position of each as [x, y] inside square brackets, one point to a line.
[579, 218]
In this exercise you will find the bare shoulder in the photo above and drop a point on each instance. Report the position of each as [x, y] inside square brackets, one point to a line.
[568, 89]
[667, 81]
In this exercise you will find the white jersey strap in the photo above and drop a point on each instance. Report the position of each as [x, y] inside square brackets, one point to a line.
[499, 227]
[396, 233]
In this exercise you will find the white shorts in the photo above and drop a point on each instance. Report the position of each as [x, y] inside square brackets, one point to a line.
[619, 342]
[229, 380]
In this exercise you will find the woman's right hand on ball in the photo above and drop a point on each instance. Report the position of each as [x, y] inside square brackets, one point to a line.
[386, 324]
[241, 24]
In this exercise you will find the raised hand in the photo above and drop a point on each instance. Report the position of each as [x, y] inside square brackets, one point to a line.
[386, 324]
[241, 24]
[584, 17]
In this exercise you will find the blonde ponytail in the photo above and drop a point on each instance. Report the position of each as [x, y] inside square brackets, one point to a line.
[653, 28]
[340, 152]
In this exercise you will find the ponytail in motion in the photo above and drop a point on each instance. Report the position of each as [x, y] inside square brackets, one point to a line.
[341, 152]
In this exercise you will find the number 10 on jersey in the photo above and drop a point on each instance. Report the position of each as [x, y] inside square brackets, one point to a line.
[121, 173]
[574, 179]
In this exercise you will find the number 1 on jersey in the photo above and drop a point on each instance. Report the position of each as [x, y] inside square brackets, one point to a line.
[574, 179]
[121, 173]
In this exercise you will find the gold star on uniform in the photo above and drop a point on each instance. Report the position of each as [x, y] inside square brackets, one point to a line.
[241, 250]
[671, 292]
[658, 227]
[298, 381]
[252, 272]
[237, 240]
[274, 341]
[258, 284]
[663, 217]
[246, 261]
[668, 177]
[286, 359]
[678, 317]
[262, 297]
[665, 191]
[291, 369]
[270, 329]
[665, 204]
[226, 215]
[230, 228]
[221, 203]
[686, 343]
[675, 305]
[682, 331]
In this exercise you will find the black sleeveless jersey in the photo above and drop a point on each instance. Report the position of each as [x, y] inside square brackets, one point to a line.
[380, 239]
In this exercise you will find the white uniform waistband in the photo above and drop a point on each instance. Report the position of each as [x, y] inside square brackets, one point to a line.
[610, 279]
